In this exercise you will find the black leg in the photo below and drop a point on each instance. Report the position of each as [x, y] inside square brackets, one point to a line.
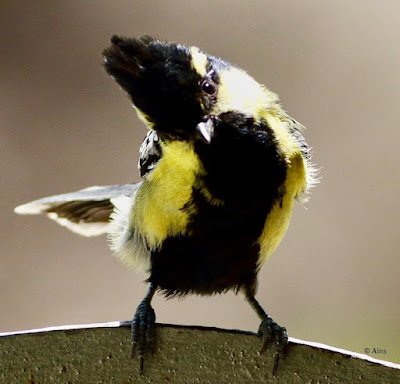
[143, 326]
[269, 331]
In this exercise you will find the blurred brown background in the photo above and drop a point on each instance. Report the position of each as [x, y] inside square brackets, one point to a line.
[64, 125]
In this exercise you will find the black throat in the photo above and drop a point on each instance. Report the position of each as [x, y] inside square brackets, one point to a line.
[243, 178]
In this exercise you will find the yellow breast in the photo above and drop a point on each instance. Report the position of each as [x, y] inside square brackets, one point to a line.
[157, 211]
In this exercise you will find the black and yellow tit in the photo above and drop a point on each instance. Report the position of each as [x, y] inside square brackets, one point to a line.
[221, 166]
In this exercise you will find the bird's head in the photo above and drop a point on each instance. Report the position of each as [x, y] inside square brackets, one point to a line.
[180, 91]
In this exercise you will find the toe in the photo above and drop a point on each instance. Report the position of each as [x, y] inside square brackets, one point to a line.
[142, 330]
[272, 332]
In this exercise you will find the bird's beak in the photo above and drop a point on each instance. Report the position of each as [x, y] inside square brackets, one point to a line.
[206, 130]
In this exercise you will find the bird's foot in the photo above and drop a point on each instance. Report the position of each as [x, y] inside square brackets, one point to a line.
[272, 332]
[143, 330]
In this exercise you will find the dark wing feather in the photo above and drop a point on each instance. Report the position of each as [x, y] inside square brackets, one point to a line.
[86, 212]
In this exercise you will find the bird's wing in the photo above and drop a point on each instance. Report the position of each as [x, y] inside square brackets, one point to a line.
[150, 152]
[86, 212]
[296, 129]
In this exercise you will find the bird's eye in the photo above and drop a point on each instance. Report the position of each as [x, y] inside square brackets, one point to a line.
[208, 87]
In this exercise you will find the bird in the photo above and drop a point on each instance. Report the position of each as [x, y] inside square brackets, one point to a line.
[221, 166]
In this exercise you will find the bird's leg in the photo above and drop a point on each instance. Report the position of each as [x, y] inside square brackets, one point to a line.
[143, 326]
[269, 331]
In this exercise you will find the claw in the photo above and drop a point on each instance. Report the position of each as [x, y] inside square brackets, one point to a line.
[141, 369]
[276, 362]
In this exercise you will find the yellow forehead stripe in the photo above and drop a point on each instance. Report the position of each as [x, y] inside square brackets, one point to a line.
[199, 61]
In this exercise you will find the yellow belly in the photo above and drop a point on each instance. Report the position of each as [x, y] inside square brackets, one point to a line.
[278, 218]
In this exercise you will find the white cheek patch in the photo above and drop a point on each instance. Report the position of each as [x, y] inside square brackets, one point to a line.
[240, 92]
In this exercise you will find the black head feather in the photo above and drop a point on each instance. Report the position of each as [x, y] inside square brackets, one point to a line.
[159, 79]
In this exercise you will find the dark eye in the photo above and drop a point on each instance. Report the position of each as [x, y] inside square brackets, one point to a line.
[208, 87]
